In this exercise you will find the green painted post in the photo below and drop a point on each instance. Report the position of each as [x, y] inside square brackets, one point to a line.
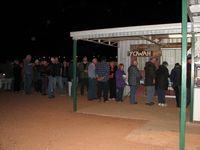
[74, 94]
[183, 75]
[192, 77]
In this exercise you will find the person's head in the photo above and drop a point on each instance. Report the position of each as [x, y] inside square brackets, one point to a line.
[94, 60]
[112, 63]
[45, 63]
[84, 59]
[121, 66]
[177, 65]
[64, 63]
[165, 63]
[56, 60]
[28, 58]
[53, 60]
[37, 62]
[134, 62]
[153, 60]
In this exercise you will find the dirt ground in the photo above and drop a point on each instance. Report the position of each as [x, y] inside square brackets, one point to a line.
[34, 122]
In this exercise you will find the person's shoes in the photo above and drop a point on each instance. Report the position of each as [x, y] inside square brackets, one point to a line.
[105, 100]
[164, 105]
[159, 104]
[150, 103]
[134, 102]
[91, 99]
[50, 97]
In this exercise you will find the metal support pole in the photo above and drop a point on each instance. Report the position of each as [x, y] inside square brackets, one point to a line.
[74, 82]
[183, 75]
[192, 77]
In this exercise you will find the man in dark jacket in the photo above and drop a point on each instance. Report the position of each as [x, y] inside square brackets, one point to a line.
[51, 78]
[150, 73]
[175, 77]
[162, 82]
[83, 70]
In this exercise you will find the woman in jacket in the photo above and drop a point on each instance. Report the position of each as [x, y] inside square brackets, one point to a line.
[120, 82]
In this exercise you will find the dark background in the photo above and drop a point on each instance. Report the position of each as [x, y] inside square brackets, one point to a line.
[42, 28]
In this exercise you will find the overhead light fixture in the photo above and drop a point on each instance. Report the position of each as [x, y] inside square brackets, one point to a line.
[180, 35]
[195, 8]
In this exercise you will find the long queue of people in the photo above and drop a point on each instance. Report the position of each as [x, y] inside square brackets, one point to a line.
[98, 80]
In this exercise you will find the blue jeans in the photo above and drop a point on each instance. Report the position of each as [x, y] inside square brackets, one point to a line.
[119, 93]
[58, 81]
[51, 86]
[133, 90]
[161, 95]
[92, 88]
[27, 83]
[64, 84]
[150, 93]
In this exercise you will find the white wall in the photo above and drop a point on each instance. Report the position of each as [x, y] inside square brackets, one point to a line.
[172, 56]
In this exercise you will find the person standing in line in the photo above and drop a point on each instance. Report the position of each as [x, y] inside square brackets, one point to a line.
[83, 70]
[28, 74]
[149, 81]
[92, 86]
[120, 82]
[162, 83]
[51, 78]
[65, 73]
[102, 73]
[175, 77]
[44, 77]
[36, 76]
[58, 76]
[112, 81]
[133, 80]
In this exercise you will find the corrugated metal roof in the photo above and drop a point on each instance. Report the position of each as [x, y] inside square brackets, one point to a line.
[161, 29]
[152, 33]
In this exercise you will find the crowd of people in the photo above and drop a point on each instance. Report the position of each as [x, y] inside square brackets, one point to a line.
[98, 80]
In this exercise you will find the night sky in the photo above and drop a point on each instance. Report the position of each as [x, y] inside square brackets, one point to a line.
[41, 28]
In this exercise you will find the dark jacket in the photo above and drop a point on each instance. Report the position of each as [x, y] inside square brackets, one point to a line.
[175, 76]
[83, 68]
[150, 73]
[162, 75]
[52, 69]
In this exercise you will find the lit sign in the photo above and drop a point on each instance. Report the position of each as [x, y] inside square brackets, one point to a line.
[143, 53]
